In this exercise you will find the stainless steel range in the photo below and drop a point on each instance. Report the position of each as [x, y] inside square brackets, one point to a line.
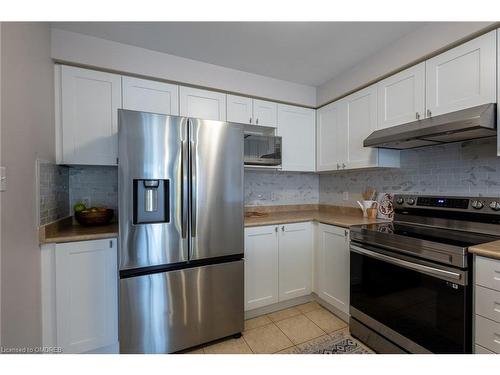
[411, 279]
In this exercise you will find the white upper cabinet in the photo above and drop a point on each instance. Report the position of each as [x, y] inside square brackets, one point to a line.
[86, 295]
[296, 126]
[240, 109]
[150, 96]
[331, 142]
[295, 260]
[203, 104]
[261, 266]
[401, 97]
[462, 77]
[361, 121]
[265, 113]
[87, 103]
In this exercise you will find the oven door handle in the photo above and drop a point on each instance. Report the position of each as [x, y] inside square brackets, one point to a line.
[403, 263]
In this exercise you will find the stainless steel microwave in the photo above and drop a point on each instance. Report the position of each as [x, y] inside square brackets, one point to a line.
[262, 150]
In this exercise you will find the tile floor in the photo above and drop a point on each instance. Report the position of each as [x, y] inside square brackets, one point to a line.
[279, 332]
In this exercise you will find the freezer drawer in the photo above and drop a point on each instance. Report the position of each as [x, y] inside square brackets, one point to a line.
[170, 311]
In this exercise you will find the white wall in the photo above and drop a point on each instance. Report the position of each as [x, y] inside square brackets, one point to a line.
[86, 50]
[406, 50]
[27, 95]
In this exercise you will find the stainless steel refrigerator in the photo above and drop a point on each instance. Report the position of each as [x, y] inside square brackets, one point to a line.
[181, 231]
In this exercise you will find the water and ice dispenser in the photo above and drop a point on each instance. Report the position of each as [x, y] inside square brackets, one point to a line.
[151, 201]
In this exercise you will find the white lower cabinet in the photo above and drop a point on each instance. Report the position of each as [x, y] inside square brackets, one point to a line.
[261, 265]
[278, 263]
[80, 296]
[287, 261]
[487, 305]
[295, 245]
[332, 266]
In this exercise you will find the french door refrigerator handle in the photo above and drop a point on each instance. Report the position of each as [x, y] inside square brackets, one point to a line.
[403, 263]
[192, 162]
[184, 187]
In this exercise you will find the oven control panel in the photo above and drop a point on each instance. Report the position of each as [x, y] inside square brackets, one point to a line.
[471, 204]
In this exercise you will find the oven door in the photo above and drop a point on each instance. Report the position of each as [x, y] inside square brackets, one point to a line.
[417, 305]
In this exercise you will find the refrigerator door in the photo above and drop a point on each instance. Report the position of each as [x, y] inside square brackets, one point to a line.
[170, 311]
[216, 189]
[153, 187]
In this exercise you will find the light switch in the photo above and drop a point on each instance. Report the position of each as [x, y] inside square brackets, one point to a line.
[3, 179]
[345, 195]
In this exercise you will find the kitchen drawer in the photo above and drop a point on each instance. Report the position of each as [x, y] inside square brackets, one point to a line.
[488, 272]
[480, 350]
[488, 334]
[488, 303]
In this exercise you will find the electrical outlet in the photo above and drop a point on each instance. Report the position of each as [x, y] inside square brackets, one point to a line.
[345, 195]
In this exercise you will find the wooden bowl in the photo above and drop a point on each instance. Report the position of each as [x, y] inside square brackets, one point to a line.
[94, 218]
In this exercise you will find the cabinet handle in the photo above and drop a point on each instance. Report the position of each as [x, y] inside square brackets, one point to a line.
[111, 244]
[345, 233]
[338, 166]
[257, 121]
[417, 115]
[429, 113]
[343, 166]
[250, 120]
[283, 228]
[276, 229]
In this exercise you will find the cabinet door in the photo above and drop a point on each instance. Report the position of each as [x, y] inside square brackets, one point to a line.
[401, 97]
[331, 141]
[239, 109]
[333, 280]
[296, 126]
[261, 266]
[265, 113]
[150, 96]
[295, 260]
[361, 121]
[86, 295]
[89, 103]
[462, 77]
[203, 104]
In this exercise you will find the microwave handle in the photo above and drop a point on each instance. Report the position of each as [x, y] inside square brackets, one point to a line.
[405, 264]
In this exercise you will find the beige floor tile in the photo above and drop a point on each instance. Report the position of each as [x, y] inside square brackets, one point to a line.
[229, 346]
[283, 314]
[290, 350]
[310, 306]
[326, 320]
[257, 322]
[299, 329]
[267, 339]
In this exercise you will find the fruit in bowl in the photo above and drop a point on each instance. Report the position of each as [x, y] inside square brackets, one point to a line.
[92, 216]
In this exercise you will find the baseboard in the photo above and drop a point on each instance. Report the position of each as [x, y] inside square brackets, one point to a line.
[342, 315]
[278, 306]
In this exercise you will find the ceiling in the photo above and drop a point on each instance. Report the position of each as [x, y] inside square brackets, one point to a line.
[309, 53]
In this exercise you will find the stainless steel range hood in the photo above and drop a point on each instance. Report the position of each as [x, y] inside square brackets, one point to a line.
[470, 123]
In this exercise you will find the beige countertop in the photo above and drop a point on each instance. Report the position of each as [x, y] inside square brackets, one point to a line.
[65, 231]
[333, 215]
[489, 249]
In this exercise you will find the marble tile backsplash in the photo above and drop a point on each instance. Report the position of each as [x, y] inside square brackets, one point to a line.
[94, 185]
[467, 168]
[53, 192]
[280, 188]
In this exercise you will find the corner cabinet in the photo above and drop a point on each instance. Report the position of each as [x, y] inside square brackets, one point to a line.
[278, 263]
[204, 104]
[80, 296]
[296, 125]
[342, 127]
[150, 96]
[332, 266]
[87, 103]
[462, 77]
